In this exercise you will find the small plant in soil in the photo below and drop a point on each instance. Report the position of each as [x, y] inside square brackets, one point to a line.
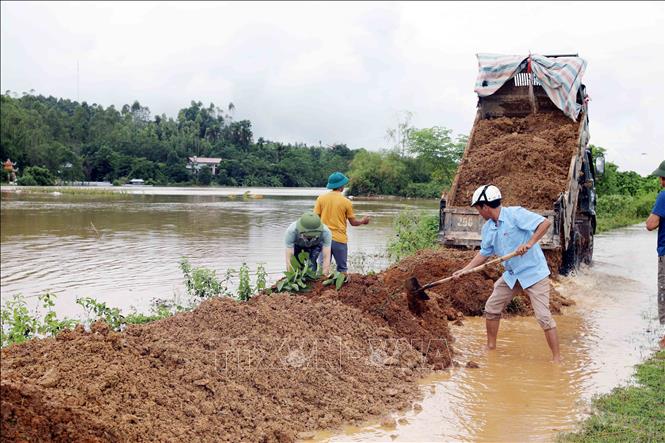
[97, 310]
[19, 324]
[201, 282]
[299, 274]
[51, 325]
[261, 278]
[338, 278]
[245, 289]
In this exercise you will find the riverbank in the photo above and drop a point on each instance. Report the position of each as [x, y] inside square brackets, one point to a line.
[166, 190]
[633, 413]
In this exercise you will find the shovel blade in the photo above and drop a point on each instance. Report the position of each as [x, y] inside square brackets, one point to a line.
[414, 289]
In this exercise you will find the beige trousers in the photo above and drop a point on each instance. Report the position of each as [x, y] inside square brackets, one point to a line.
[539, 293]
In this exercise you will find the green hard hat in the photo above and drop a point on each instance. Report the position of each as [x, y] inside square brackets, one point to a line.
[660, 172]
[309, 223]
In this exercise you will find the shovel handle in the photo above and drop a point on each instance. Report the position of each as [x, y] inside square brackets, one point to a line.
[472, 270]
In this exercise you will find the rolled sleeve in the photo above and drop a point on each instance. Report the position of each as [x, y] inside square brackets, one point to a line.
[349, 210]
[486, 243]
[290, 236]
[527, 220]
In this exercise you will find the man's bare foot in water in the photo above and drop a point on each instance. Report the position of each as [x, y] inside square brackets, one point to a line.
[556, 360]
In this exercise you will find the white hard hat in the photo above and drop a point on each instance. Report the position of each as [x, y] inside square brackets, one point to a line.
[485, 194]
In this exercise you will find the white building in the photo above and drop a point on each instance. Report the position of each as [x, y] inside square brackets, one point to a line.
[196, 163]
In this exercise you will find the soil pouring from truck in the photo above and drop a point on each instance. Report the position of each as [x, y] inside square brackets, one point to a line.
[530, 138]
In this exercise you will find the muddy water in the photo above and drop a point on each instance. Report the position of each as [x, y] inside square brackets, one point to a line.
[516, 394]
[125, 249]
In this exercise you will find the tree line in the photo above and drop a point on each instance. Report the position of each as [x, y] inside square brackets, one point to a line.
[54, 140]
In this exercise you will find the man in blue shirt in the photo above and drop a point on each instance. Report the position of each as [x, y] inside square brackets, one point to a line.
[506, 230]
[653, 222]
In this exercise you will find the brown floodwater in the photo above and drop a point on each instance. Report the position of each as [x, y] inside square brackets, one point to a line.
[123, 246]
[517, 394]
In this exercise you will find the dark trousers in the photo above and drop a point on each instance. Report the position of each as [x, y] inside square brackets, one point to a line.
[339, 253]
[313, 252]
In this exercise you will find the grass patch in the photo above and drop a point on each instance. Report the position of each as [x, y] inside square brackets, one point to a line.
[617, 211]
[67, 190]
[630, 413]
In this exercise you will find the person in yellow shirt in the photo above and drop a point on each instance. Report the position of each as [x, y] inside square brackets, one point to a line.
[334, 210]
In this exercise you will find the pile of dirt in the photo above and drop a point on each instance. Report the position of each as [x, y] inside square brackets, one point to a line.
[387, 305]
[264, 370]
[527, 158]
[466, 296]
[227, 371]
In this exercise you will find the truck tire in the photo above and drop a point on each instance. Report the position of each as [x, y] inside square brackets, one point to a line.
[585, 228]
[587, 257]
[571, 255]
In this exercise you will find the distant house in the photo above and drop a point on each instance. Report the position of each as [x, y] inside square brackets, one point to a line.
[196, 163]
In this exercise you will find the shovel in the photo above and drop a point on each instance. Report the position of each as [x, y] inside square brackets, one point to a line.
[416, 293]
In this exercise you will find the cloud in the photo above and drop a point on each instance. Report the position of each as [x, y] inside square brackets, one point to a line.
[338, 72]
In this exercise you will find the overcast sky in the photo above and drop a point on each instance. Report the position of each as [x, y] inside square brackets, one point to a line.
[338, 72]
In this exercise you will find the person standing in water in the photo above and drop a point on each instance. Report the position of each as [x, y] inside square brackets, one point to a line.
[509, 229]
[654, 222]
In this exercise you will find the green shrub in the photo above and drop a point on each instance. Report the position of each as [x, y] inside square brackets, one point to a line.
[160, 309]
[245, 290]
[261, 278]
[97, 310]
[26, 180]
[615, 211]
[38, 175]
[414, 230]
[201, 282]
[423, 190]
[19, 325]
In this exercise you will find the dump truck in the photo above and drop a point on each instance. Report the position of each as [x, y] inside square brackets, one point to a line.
[524, 95]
